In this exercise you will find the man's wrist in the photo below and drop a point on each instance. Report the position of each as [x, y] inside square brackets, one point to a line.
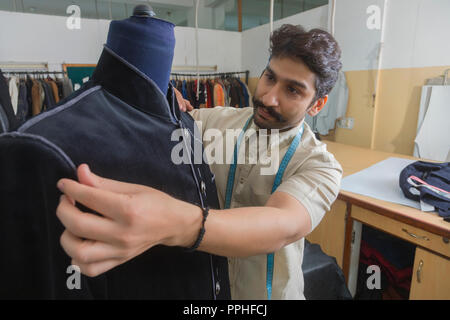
[189, 224]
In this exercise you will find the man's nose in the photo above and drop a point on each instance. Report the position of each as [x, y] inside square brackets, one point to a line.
[270, 98]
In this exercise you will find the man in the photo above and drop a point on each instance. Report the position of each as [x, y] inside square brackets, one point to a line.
[269, 213]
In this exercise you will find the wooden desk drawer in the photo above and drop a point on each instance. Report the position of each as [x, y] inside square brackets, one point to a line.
[430, 279]
[404, 231]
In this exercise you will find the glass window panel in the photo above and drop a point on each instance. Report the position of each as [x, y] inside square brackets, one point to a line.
[7, 5]
[257, 12]
[213, 14]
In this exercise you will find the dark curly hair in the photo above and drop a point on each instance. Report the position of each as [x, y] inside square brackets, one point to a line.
[316, 48]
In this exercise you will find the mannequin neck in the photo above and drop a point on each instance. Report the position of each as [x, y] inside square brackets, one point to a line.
[147, 43]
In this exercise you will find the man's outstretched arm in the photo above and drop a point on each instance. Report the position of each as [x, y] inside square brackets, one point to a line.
[135, 218]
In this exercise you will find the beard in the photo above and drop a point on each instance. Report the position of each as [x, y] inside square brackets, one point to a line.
[277, 121]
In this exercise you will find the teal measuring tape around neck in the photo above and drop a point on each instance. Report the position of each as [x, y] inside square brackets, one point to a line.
[278, 177]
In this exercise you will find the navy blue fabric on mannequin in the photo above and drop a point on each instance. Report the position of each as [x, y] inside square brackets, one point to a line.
[120, 123]
[147, 43]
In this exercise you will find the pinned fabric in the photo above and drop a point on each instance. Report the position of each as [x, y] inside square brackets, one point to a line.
[428, 183]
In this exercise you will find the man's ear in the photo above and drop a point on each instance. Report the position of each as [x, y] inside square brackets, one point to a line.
[318, 105]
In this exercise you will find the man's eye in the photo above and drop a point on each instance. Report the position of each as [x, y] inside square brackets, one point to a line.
[269, 76]
[293, 90]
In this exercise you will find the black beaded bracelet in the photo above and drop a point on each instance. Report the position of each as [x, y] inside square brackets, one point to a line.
[202, 231]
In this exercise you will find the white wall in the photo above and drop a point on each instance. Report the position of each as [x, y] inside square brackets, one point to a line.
[255, 41]
[43, 38]
[416, 34]
[216, 47]
[359, 45]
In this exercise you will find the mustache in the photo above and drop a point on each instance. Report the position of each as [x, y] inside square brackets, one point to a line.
[258, 104]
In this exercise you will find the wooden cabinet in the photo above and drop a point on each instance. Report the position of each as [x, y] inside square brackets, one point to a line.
[431, 276]
[338, 237]
[431, 269]
[330, 233]
[402, 230]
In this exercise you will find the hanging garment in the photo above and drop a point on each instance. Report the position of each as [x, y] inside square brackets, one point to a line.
[49, 101]
[209, 94]
[202, 96]
[59, 85]
[335, 108]
[428, 183]
[67, 87]
[121, 125]
[235, 95]
[38, 96]
[184, 90]
[14, 93]
[432, 140]
[29, 84]
[240, 90]
[220, 81]
[54, 88]
[22, 105]
[190, 93]
[227, 87]
[245, 92]
[7, 117]
[218, 95]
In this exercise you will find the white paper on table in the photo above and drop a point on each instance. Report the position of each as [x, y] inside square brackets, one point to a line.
[381, 181]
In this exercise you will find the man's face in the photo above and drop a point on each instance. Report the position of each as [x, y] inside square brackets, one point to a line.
[284, 94]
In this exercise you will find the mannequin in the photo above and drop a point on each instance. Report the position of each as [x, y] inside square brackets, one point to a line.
[120, 123]
[146, 42]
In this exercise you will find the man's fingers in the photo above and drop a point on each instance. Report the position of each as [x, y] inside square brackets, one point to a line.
[188, 105]
[88, 251]
[97, 268]
[87, 177]
[85, 225]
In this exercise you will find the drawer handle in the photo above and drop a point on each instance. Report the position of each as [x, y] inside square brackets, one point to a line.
[419, 270]
[415, 236]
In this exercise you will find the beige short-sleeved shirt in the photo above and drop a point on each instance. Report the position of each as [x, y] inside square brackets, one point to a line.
[312, 177]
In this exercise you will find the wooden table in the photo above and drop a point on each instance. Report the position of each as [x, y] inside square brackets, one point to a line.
[339, 233]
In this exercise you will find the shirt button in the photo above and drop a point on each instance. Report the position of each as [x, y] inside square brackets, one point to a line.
[241, 180]
[217, 288]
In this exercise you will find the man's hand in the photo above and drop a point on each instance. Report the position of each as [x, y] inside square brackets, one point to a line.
[133, 219]
[184, 104]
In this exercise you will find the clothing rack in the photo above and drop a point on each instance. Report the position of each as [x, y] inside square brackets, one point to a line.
[216, 74]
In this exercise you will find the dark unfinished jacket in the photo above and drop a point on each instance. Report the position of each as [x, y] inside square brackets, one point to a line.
[120, 124]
